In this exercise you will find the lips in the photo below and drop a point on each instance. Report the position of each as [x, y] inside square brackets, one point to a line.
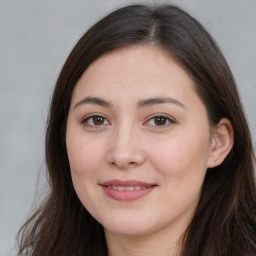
[127, 190]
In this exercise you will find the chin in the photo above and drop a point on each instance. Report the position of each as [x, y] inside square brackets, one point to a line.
[128, 230]
[131, 226]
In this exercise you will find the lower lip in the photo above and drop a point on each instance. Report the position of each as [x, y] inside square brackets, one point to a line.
[127, 195]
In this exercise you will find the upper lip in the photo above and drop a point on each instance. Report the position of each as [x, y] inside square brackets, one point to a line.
[126, 183]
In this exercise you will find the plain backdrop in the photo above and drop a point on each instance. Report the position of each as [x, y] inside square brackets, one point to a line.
[35, 39]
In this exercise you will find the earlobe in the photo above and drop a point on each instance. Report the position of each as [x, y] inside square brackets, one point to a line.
[222, 142]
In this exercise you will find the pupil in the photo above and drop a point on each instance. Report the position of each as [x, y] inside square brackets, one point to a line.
[98, 120]
[160, 120]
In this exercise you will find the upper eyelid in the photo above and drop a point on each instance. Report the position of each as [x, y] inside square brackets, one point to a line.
[161, 115]
[94, 114]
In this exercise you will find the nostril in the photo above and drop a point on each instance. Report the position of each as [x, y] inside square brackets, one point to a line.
[124, 158]
[123, 165]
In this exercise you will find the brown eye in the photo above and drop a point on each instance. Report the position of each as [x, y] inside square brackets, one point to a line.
[160, 120]
[96, 120]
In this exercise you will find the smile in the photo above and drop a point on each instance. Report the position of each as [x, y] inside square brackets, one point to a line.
[127, 190]
[130, 188]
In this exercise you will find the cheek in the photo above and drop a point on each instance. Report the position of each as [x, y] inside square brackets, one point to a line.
[182, 164]
[181, 155]
[85, 163]
[84, 156]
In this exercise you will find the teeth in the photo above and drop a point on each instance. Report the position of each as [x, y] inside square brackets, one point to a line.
[128, 188]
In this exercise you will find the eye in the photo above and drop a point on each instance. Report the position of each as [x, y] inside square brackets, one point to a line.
[160, 120]
[95, 120]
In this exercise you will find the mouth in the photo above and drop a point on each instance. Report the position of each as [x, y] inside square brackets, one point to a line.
[127, 190]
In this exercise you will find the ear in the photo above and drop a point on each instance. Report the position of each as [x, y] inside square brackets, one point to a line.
[222, 142]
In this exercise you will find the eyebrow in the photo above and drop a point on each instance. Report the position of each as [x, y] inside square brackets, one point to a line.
[93, 100]
[141, 103]
[159, 100]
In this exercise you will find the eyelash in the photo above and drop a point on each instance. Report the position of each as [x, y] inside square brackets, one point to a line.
[91, 117]
[165, 119]
[168, 121]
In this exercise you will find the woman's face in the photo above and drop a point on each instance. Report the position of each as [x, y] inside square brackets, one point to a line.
[138, 142]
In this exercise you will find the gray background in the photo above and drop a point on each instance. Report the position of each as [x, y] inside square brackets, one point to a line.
[35, 39]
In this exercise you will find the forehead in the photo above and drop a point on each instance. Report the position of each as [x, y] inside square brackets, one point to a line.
[132, 67]
[134, 73]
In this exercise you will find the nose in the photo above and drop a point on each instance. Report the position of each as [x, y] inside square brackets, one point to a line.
[125, 150]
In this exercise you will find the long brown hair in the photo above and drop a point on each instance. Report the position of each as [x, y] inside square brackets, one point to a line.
[225, 220]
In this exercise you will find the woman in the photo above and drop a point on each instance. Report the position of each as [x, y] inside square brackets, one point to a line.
[147, 146]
